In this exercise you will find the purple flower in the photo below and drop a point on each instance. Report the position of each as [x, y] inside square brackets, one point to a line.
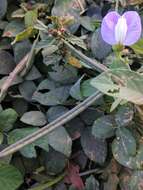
[124, 30]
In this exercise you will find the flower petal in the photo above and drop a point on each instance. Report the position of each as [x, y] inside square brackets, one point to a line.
[134, 27]
[108, 27]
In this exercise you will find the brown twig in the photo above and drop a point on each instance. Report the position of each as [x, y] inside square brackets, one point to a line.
[12, 76]
[51, 126]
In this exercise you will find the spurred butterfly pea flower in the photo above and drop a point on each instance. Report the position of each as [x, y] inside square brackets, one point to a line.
[121, 29]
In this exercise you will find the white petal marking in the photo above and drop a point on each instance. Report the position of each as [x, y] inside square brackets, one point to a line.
[121, 30]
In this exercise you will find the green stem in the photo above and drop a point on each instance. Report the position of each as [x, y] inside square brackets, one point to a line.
[49, 184]
[117, 5]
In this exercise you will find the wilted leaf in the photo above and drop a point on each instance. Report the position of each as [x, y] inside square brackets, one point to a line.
[74, 61]
[134, 2]
[103, 127]
[35, 118]
[68, 8]
[73, 177]
[10, 177]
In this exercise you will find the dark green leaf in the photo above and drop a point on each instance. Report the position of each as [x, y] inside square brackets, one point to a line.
[100, 49]
[103, 127]
[10, 177]
[124, 115]
[91, 183]
[64, 74]
[55, 112]
[56, 96]
[75, 90]
[95, 149]
[7, 119]
[7, 63]
[60, 141]
[3, 8]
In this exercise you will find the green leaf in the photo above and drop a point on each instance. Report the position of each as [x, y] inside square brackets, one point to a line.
[136, 181]
[7, 119]
[13, 28]
[35, 118]
[94, 148]
[131, 90]
[127, 140]
[30, 18]
[124, 115]
[29, 150]
[54, 162]
[100, 49]
[55, 96]
[60, 141]
[139, 157]
[103, 127]
[3, 8]
[75, 90]
[7, 63]
[138, 47]
[29, 32]
[88, 23]
[124, 148]
[87, 89]
[66, 74]
[91, 183]
[1, 137]
[27, 89]
[10, 177]
[56, 111]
